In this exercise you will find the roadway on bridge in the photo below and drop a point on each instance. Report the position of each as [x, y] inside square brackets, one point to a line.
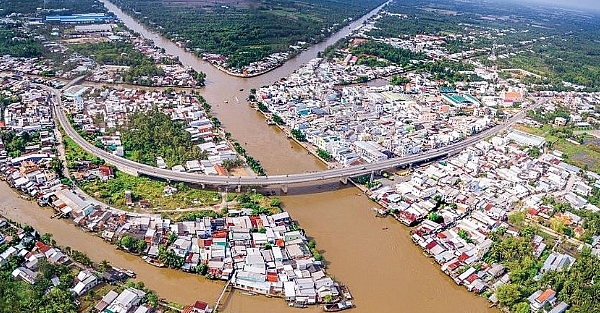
[135, 168]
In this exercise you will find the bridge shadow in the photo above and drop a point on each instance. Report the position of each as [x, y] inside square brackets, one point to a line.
[306, 188]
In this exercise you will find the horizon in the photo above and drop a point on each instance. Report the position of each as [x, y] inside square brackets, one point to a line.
[592, 5]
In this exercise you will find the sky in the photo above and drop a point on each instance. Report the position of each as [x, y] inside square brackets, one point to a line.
[593, 5]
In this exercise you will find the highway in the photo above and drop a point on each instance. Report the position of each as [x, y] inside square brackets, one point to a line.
[135, 168]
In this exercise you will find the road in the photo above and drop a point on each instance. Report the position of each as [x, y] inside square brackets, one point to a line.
[135, 168]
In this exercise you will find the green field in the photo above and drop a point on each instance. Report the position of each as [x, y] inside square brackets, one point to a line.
[585, 156]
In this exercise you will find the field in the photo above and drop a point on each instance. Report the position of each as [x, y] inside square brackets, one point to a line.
[142, 188]
[585, 156]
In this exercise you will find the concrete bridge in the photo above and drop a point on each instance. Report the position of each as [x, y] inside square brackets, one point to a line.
[282, 181]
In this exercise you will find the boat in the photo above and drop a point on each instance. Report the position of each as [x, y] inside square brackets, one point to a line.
[152, 261]
[380, 212]
[336, 307]
[346, 292]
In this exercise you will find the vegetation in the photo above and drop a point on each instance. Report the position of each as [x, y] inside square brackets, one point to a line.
[397, 80]
[65, 6]
[75, 154]
[18, 44]
[170, 258]
[576, 149]
[576, 286]
[559, 52]
[312, 245]
[323, 154]
[112, 192]
[383, 50]
[19, 296]
[250, 161]
[250, 32]
[277, 119]
[259, 204]
[152, 134]
[15, 143]
[141, 68]
[299, 135]
[132, 244]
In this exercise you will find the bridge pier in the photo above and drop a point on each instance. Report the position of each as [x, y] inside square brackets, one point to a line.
[238, 189]
[344, 180]
[203, 186]
[284, 188]
[372, 176]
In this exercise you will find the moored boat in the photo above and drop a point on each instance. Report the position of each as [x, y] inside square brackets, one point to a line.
[336, 307]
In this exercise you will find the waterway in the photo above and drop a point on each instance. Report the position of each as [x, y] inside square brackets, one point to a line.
[375, 257]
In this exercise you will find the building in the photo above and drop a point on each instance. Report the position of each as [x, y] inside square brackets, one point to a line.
[526, 139]
[86, 18]
[370, 151]
[126, 300]
[540, 299]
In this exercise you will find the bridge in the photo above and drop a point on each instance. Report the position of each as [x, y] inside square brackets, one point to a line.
[283, 181]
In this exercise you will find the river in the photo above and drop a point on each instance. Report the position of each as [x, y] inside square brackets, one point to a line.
[375, 257]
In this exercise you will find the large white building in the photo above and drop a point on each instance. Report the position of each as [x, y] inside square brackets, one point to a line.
[370, 151]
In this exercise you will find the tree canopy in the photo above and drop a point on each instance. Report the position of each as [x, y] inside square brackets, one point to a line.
[152, 134]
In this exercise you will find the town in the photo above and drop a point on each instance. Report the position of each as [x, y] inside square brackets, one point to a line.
[514, 218]
[54, 272]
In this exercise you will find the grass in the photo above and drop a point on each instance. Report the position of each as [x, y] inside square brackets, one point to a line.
[143, 188]
[582, 156]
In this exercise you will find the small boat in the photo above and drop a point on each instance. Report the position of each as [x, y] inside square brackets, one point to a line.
[336, 307]
[297, 305]
[225, 101]
[152, 261]
[380, 212]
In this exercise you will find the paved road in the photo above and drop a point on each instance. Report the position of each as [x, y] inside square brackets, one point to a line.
[283, 180]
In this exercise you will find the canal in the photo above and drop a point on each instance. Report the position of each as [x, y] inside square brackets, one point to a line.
[374, 257]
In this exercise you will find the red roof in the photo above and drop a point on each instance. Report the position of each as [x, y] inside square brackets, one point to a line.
[43, 248]
[549, 293]
[220, 234]
[471, 278]
[431, 245]
[463, 257]
[200, 305]
[272, 277]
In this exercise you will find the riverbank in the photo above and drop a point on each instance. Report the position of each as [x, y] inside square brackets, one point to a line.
[216, 247]
[286, 130]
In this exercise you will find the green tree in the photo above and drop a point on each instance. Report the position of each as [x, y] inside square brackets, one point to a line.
[508, 295]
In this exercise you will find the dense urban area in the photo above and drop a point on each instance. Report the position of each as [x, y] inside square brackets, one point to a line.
[513, 218]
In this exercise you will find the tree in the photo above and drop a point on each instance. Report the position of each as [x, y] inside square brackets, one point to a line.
[202, 269]
[275, 202]
[46, 238]
[522, 307]
[508, 295]
[435, 217]
[104, 265]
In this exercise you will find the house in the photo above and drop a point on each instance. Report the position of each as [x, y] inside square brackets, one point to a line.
[86, 280]
[560, 308]
[106, 301]
[539, 299]
[557, 262]
[198, 307]
[25, 275]
[126, 300]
